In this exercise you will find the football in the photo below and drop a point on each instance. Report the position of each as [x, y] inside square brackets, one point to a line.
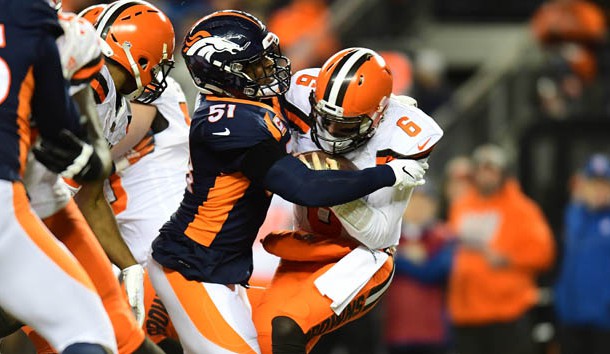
[320, 160]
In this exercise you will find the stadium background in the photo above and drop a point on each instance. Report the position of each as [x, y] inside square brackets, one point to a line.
[476, 66]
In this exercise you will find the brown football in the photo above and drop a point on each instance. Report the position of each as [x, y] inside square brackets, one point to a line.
[320, 160]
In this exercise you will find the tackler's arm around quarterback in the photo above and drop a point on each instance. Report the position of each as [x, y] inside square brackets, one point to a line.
[285, 175]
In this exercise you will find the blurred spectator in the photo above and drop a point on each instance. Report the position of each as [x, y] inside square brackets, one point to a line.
[504, 243]
[457, 180]
[582, 292]
[402, 71]
[430, 88]
[415, 314]
[306, 33]
[571, 32]
[577, 21]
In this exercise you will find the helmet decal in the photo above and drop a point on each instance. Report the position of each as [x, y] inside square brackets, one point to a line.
[231, 53]
[208, 46]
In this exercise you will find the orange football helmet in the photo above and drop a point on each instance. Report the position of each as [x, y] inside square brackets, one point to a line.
[92, 13]
[140, 38]
[352, 92]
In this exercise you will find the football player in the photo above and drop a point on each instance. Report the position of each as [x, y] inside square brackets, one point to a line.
[202, 258]
[137, 43]
[58, 299]
[338, 262]
[82, 60]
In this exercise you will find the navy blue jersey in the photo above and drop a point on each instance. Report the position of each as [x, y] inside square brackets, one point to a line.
[210, 237]
[31, 81]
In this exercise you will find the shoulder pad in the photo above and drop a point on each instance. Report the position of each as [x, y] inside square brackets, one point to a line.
[79, 49]
[227, 123]
[295, 102]
[302, 84]
[409, 131]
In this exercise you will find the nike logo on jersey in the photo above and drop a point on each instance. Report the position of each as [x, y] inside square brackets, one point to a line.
[223, 133]
[422, 146]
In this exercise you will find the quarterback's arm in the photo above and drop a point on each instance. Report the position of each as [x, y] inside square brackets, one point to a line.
[374, 226]
[288, 177]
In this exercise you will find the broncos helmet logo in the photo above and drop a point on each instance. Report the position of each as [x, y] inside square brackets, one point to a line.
[205, 45]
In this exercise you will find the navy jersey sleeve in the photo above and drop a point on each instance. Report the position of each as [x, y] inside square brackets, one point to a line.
[236, 125]
[32, 15]
[52, 108]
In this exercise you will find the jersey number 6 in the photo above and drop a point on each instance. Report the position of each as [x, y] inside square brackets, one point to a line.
[408, 126]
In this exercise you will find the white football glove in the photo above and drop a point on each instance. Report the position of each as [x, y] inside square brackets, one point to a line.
[133, 278]
[409, 173]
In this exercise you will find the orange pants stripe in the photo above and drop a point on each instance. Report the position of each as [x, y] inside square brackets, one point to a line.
[293, 294]
[71, 228]
[58, 298]
[209, 318]
[157, 324]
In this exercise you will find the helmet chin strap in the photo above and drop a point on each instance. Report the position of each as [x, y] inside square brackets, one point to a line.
[136, 71]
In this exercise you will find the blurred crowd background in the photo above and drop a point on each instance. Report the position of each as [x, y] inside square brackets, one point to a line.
[522, 91]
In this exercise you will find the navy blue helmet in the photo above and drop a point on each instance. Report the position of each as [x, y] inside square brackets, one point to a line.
[231, 53]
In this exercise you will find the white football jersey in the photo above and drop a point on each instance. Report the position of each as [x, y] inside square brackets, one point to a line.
[81, 60]
[404, 132]
[144, 194]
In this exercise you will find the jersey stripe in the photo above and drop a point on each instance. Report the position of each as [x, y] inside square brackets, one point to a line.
[119, 204]
[277, 134]
[387, 155]
[100, 88]
[214, 212]
[23, 117]
[295, 115]
[87, 72]
[237, 100]
[185, 112]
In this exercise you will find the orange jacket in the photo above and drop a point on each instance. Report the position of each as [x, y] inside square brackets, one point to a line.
[479, 293]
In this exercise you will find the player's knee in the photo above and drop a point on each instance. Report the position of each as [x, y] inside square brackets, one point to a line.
[287, 336]
[85, 348]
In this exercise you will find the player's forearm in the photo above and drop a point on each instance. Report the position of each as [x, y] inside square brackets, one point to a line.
[374, 227]
[293, 181]
[142, 117]
[100, 217]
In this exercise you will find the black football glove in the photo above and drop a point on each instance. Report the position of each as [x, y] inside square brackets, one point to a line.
[73, 158]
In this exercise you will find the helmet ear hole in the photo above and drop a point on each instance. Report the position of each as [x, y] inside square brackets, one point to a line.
[360, 80]
[143, 62]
